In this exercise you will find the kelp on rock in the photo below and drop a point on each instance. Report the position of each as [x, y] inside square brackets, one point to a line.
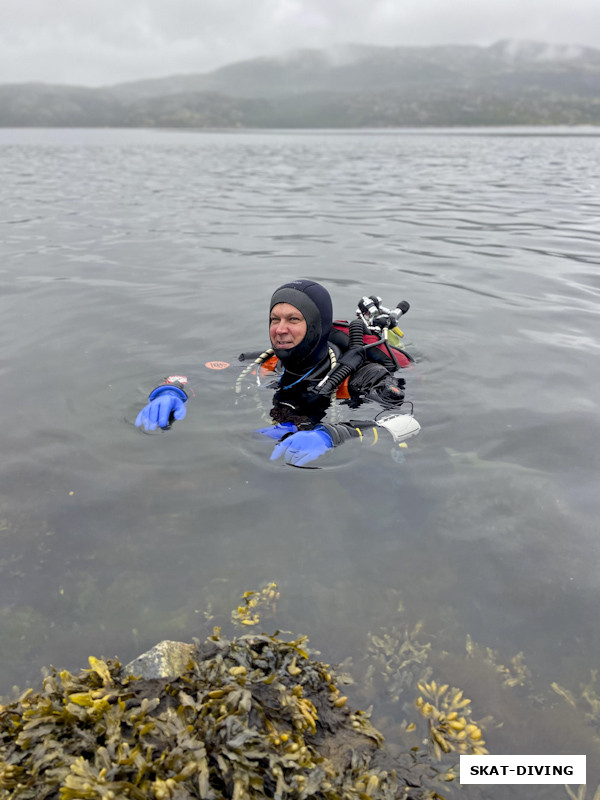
[250, 717]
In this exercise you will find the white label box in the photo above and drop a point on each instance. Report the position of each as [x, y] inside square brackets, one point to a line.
[523, 769]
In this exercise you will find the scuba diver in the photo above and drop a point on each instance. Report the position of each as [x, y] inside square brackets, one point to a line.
[315, 360]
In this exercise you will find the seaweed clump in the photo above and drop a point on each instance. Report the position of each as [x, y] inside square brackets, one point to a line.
[249, 613]
[451, 728]
[251, 717]
[396, 656]
[517, 673]
[588, 702]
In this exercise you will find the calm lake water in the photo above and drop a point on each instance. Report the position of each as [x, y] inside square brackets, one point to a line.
[126, 256]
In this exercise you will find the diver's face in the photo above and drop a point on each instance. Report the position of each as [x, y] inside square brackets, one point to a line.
[287, 326]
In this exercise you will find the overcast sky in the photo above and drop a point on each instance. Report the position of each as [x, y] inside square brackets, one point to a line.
[101, 42]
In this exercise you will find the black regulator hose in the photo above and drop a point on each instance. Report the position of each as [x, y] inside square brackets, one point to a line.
[356, 332]
[350, 361]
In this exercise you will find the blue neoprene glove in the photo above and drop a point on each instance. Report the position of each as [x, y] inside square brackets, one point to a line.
[302, 447]
[277, 431]
[163, 401]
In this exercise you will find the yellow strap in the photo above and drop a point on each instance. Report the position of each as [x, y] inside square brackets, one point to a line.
[374, 432]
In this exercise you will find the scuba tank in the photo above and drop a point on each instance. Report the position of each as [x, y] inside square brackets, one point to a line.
[368, 337]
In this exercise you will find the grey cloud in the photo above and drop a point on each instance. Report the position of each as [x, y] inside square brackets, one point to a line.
[107, 41]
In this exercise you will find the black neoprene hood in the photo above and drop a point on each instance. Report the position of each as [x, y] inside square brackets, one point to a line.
[314, 303]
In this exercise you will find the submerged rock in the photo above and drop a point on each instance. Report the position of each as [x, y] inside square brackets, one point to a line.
[165, 660]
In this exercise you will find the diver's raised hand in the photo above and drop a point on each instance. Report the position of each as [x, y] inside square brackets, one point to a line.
[302, 447]
[165, 403]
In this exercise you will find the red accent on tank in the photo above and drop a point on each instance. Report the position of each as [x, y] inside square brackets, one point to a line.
[369, 338]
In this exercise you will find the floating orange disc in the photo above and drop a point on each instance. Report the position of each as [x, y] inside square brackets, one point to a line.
[217, 365]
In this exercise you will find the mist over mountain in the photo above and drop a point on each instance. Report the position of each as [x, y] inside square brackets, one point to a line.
[347, 86]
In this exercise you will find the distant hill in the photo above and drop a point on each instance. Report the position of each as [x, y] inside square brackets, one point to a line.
[347, 86]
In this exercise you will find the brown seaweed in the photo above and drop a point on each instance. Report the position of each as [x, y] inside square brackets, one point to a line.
[252, 717]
